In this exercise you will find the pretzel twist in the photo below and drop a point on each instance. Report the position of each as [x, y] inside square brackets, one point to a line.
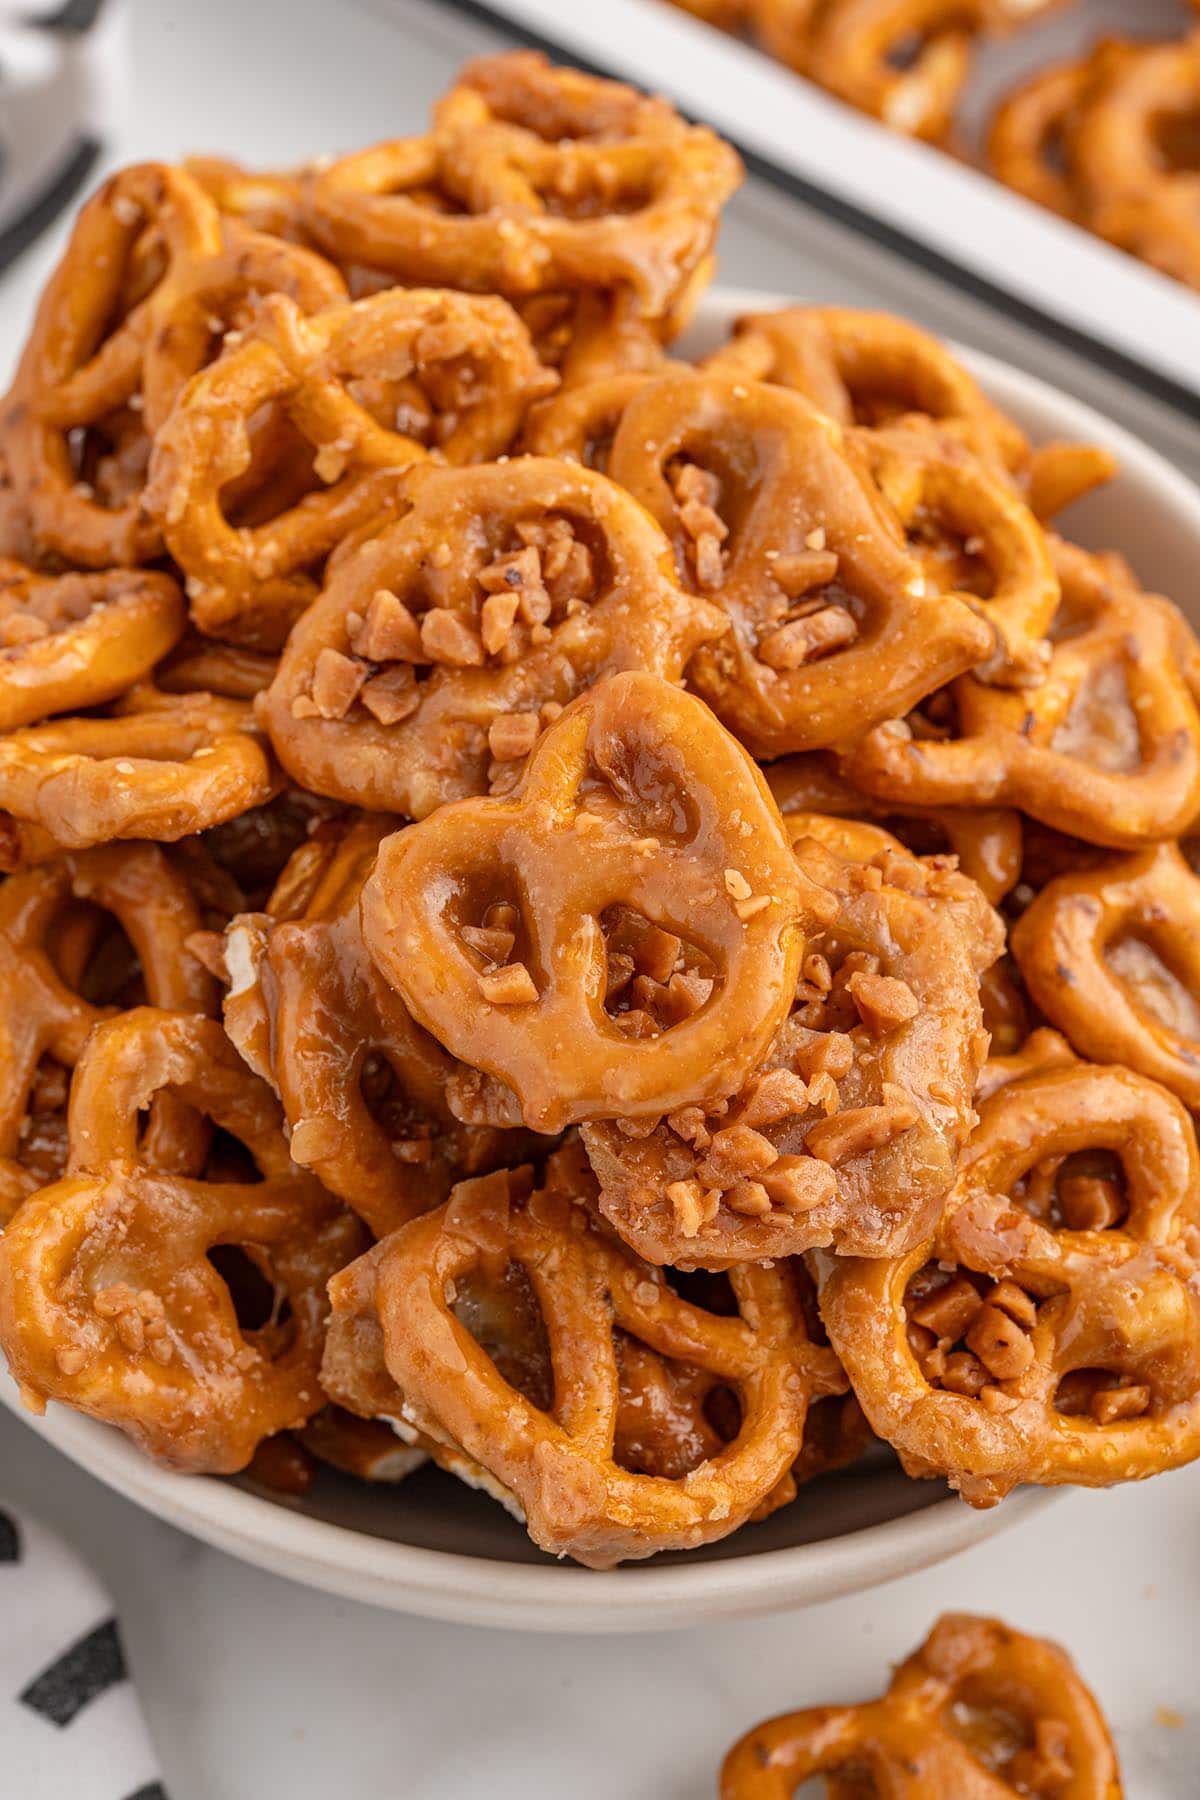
[848, 1129]
[109, 1301]
[638, 818]
[456, 371]
[604, 1314]
[1035, 1729]
[1106, 748]
[309, 1012]
[1112, 956]
[438, 652]
[771, 515]
[1064, 1343]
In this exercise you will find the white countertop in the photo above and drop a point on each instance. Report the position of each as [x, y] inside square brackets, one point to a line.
[256, 1688]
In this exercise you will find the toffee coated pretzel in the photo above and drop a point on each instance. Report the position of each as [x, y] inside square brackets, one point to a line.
[771, 515]
[439, 651]
[550, 1446]
[363, 1088]
[47, 944]
[1106, 748]
[555, 180]
[450, 372]
[978, 1712]
[1050, 1329]
[1112, 956]
[848, 1129]
[109, 1298]
[622, 936]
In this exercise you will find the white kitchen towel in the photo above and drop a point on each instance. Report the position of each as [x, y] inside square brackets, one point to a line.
[70, 1724]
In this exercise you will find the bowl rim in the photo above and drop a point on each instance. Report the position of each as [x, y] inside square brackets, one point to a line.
[481, 1590]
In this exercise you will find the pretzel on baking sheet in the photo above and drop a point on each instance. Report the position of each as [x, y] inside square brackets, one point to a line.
[440, 650]
[111, 1297]
[1107, 748]
[978, 1712]
[848, 1129]
[623, 935]
[773, 517]
[1049, 1331]
[426, 1322]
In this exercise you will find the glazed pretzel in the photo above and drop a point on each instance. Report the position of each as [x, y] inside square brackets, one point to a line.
[650, 915]
[1029, 137]
[74, 641]
[847, 1130]
[1050, 1330]
[555, 180]
[47, 941]
[173, 766]
[771, 516]
[851, 49]
[979, 1712]
[448, 372]
[308, 1010]
[1107, 748]
[578, 423]
[438, 651]
[1112, 956]
[986, 840]
[554, 1455]
[109, 1301]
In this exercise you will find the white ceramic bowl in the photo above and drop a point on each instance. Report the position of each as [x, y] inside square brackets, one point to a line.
[434, 1547]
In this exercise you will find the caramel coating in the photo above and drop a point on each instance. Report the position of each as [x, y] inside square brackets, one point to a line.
[978, 1712]
[635, 802]
[1065, 1268]
[504, 592]
[398, 1315]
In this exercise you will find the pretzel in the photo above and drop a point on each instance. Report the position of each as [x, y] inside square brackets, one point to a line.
[1112, 956]
[975, 538]
[174, 766]
[1107, 748]
[987, 841]
[847, 1130]
[556, 180]
[73, 641]
[1029, 136]
[545, 1437]
[454, 373]
[771, 515]
[438, 652]
[200, 665]
[1050, 1330]
[636, 901]
[46, 1019]
[362, 1086]
[978, 1712]
[851, 50]
[109, 1300]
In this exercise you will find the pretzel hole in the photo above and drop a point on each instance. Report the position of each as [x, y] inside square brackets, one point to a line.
[640, 792]
[936, 719]
[966, 1333]
[1101, 726]
[109, 458]
[257, 1302]
[654, 978]
[995, 1735]
[500, 1310]
[30, 610]
[1175, 137]
[1144, 964]
[953, 555]
[107, 970]
[1085, 1191]
[671, 1415]
[1106, 1396]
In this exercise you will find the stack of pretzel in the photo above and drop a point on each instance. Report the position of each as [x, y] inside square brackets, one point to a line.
[621, 926]
[1108, 141]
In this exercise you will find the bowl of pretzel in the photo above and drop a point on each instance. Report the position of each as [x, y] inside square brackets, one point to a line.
[598, 926]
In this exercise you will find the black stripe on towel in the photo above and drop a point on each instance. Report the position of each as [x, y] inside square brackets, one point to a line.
[89, 1668]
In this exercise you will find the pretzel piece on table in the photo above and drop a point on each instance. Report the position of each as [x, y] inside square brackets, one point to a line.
[620, 937]
[371, 388]
[170, 766]
[510, 1330]
[772, 516]
[74, 641]
[110, 1298]
[848, 1129]
[1049, 1331]
[363, 1088]
[978, 1712]
[442, 647]
[1112, 957]
[1106, 749]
